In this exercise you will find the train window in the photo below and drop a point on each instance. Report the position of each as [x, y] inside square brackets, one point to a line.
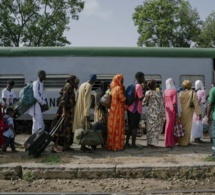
[192, 78]
[100, 78]
[18, 79]
[55, 81]
[157, 78]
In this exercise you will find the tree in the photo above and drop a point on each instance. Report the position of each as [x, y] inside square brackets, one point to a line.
[166, 23]
[207, 35]
[36, 22]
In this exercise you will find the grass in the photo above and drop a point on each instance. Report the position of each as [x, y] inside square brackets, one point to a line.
[209, 159]
[29, 176]
[51, 159]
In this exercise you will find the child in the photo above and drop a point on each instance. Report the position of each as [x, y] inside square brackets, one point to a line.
[10, 133]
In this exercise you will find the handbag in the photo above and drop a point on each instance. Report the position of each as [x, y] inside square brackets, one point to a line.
[178, 129]
[191, 102]
[106, 100]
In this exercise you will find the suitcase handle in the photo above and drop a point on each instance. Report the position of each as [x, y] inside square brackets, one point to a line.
[55, 128]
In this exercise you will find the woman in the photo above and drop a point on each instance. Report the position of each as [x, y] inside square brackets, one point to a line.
[171, 105]
[64, 136]
[197, 127]
[155, 114]
[116, 121]
[186, 96]
[100, 112]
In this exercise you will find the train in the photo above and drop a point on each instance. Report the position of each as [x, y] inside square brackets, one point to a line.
[22, 64]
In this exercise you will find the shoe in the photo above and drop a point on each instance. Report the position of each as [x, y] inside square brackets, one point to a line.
[67, 149]
[56, 150]
[85, 149]
[14, 151]
[93, 147]
[127, 145]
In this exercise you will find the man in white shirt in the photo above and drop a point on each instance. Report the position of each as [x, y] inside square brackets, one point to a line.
[36, 110]
[8, 94]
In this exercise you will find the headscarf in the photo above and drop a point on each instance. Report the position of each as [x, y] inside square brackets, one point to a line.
[170, 84]
[187, 84]
[199, 85]
[117, 81]
[71, 79]
[92, 77]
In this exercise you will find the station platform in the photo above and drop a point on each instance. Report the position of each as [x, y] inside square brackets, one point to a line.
[188, 162]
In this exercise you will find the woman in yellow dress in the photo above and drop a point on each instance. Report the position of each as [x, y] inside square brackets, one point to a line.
[186, 96]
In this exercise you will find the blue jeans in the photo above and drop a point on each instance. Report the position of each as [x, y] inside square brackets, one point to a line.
[8, 141]
[213, 135]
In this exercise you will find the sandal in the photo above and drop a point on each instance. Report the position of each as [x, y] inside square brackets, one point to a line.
[56, 150]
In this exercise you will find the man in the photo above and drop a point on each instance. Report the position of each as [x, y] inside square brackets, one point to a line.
[82, 109]
[211, 106]
[8, 94]
[135, 110]
[36, 110]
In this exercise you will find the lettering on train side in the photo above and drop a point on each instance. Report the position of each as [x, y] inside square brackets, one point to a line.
[51, 102]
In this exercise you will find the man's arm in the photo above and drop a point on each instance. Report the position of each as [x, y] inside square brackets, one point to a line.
[209, 110]
[210, 105]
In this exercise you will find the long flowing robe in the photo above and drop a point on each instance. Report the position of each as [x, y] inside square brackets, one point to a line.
[155, 116]
[170, 99]
[187, 114]
[82, 108]
[116, 117]
[67, 100]
[197, 126]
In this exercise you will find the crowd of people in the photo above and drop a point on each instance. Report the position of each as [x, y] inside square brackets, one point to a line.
[164, 110]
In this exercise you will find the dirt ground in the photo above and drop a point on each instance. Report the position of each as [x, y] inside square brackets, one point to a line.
[177, 155]
[105, 185]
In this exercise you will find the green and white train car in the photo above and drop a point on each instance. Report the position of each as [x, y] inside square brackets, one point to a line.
[22, 65]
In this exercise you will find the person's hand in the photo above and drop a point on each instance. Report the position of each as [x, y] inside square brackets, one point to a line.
[64, 114]
[209, 120]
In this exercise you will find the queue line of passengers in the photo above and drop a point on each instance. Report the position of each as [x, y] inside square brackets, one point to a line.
[169, 107]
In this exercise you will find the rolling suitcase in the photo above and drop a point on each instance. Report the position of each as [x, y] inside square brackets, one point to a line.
[39, 140]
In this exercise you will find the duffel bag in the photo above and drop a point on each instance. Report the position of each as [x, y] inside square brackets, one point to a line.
[92, 138]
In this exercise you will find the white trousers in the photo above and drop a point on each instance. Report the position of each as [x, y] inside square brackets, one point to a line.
[38, 122]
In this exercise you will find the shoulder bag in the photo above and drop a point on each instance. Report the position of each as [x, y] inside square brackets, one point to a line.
[191, 101]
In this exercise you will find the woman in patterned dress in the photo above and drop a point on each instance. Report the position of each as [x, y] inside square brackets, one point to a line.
[64, 136]
[116, 117]
[155, 114]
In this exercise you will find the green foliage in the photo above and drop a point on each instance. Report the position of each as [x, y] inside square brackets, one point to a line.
[29, 176]
[36, 22]
[51, 159]
[209, 159]
[166, 23]
[207, 35]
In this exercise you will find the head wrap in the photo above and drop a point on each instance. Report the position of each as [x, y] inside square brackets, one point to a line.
[187, 84]
[71, 79]
[170, 84]
[199, 85]
[151, 84]
[93, 77]
[117, 81]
